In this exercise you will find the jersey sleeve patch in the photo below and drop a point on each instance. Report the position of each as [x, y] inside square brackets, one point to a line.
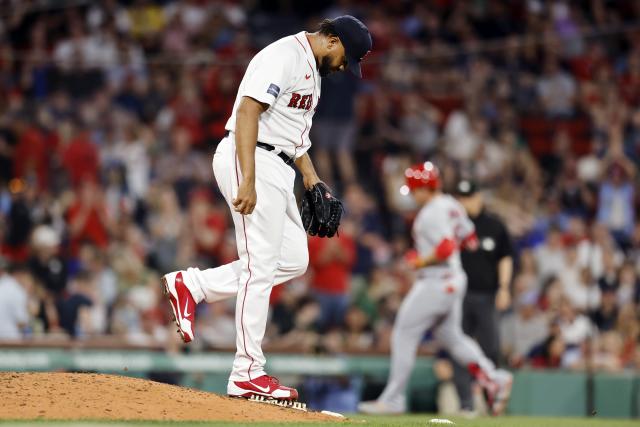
[273, 90]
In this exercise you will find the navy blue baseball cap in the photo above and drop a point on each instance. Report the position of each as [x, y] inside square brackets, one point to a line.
[466, 188]
[356, 39]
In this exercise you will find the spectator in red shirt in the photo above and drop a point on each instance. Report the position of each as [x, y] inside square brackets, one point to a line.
[629, 81]
[87, 218]
[551, 354]
[79, 156]
[31, 157]
[219, 91]
[188, 109]
[209, 224]
[331, 261]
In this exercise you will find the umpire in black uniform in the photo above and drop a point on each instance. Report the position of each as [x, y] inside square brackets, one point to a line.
[489, 270]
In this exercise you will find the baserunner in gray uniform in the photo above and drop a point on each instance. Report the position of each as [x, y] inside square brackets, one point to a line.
[435, 300]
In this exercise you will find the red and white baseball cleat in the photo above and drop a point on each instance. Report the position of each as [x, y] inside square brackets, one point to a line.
[497, 389]
[182, 303]
[503, 381]
[265, 385]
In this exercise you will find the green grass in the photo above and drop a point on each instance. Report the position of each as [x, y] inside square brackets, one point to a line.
[358, 420]
[421, 420]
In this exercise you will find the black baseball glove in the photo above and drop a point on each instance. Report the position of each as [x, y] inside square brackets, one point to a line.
[320, 211]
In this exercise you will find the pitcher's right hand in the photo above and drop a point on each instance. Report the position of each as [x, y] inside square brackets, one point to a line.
[246, 199]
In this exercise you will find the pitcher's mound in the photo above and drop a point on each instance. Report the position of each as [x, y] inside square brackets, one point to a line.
[62, 396]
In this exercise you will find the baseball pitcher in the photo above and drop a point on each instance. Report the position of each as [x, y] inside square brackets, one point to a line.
[267, 133]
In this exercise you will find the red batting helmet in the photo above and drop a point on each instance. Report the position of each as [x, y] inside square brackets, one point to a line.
[423, 175]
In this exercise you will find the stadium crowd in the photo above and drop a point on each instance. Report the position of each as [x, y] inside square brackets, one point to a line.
[110, 112]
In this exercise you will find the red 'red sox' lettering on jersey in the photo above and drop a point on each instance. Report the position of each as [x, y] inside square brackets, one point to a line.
[302, 102]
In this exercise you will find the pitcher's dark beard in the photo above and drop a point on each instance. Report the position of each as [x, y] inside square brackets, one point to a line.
[325, 66]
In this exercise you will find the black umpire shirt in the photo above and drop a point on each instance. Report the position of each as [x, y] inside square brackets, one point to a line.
[481, 265]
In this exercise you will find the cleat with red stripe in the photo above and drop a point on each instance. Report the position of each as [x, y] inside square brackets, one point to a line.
[501, 392]
[496, 390]
[265, 385]
[182, 304]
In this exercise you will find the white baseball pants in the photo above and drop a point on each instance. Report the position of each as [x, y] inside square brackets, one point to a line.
[272, 247]
[431, 303]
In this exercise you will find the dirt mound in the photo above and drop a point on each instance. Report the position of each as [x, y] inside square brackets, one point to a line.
[62, 396]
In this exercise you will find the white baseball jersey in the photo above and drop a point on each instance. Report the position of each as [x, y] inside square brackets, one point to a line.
[283, 75]
[271, 241]
[442, 218]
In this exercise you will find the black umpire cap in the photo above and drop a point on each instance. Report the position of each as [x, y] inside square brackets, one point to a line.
[466, 188]
[356, 39]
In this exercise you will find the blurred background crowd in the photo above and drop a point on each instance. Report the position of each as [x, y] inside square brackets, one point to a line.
[110, 112]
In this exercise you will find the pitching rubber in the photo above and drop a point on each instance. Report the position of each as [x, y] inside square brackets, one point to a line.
[291, 404]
